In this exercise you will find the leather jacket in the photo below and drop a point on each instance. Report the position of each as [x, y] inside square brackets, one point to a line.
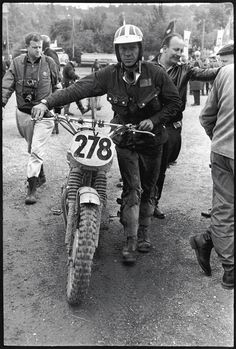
[181, 74]
[153, 96]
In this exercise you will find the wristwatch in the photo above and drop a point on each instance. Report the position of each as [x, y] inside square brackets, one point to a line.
[44, 102]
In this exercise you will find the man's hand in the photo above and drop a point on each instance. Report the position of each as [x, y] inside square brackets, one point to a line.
[146, 125]
[38, 111]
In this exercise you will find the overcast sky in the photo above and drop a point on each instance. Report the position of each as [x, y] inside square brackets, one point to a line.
[85, 5]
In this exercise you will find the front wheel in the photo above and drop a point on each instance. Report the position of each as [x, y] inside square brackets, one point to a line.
[81, 256]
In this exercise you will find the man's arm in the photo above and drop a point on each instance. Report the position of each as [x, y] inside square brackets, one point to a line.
[8, 84]
[208, 116]
[202, 74]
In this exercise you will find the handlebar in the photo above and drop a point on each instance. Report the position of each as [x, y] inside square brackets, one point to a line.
[68, 120]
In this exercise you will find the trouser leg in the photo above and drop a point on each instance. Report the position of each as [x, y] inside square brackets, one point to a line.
[27, 127]
[149, 172]
[163, 167]
[196, 95]
[222, 214]
[129, 169]
[42, 132]
[174, 143]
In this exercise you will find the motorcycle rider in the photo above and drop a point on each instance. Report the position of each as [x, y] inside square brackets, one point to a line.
[141, 94]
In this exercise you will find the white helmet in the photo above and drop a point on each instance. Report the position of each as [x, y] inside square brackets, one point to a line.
[128, 33]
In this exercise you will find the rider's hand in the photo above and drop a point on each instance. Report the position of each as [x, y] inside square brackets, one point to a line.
[146, 125]
[38, 111]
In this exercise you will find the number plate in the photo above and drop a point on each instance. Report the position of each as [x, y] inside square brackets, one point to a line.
[92, 150]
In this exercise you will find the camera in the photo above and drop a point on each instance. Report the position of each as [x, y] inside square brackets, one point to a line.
[29, 93]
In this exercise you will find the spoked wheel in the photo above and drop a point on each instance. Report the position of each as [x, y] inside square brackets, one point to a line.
[81, 256]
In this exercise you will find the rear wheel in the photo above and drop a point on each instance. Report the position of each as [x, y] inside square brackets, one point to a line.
[81, 256]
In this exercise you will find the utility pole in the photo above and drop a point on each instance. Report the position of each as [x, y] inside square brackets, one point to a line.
[203, 33]
[73, 36]
[5, 12]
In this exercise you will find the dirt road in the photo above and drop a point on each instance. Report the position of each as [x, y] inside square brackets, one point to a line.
[164, 300]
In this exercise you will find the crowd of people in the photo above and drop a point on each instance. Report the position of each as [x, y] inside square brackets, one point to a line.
[151, 95]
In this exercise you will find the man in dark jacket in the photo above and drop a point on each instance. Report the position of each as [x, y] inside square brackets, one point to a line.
[69, 77]
[181, 74]
[141, 94]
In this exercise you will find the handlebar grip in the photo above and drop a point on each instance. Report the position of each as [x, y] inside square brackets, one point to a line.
[48, 114]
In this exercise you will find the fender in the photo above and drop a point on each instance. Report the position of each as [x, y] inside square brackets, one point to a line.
[88, 195]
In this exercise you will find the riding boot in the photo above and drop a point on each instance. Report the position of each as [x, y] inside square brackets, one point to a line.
[41, 178]
[202, 245]
[228, 277]
[30, 197]
[144, 243]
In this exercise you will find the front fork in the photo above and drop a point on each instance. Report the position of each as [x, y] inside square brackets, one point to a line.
[71, 200]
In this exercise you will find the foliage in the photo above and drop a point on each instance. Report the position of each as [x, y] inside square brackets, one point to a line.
[94, 28]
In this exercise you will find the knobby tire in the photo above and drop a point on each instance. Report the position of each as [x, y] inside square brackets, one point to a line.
[84, 245]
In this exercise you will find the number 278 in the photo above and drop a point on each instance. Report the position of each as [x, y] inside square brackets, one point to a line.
[103, 151]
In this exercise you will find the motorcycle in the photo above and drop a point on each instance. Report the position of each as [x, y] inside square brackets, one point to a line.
[89, 157]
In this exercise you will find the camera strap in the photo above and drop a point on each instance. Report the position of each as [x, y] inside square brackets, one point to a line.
[24, 71]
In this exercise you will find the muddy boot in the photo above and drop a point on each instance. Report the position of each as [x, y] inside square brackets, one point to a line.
[228, 277]
[41, 178]
[144, 243]
[158, 213]
[128, 252]
[31, 198]
[202, 244]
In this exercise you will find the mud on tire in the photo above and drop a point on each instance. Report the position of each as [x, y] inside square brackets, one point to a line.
[81, 258]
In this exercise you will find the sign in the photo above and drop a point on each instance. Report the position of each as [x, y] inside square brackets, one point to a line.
[186, 42]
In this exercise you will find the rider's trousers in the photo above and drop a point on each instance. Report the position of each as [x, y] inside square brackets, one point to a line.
[139, 172]
[36, 134]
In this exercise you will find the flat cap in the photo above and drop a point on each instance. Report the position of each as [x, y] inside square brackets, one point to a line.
[226, 50]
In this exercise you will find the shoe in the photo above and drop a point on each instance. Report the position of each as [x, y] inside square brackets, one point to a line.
[228, 277]
[206, 214]
[128, 252]
[194, 105]
[158, 213]
[143, 244]
[202, 245]
[69, 113]
[41, 179]
[172, 163]
[30, 197]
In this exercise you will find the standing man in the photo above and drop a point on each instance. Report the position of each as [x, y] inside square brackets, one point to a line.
[217, 118]
[51, 53]
[196, 86]
[181, 74]
[69, 77]
[96, 66]
[32, 76]
[141, 94]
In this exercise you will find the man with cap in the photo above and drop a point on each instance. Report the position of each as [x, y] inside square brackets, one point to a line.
[143, 95]
[226, 54]
[217, 118]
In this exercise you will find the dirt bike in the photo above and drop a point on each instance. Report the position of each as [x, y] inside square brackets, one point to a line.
[89, 157]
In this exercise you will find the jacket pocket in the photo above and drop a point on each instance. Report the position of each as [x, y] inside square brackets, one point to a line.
[152, 100]
[121, 101]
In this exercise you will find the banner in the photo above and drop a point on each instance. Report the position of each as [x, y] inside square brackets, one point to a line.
[219, 39]
[186, 42]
